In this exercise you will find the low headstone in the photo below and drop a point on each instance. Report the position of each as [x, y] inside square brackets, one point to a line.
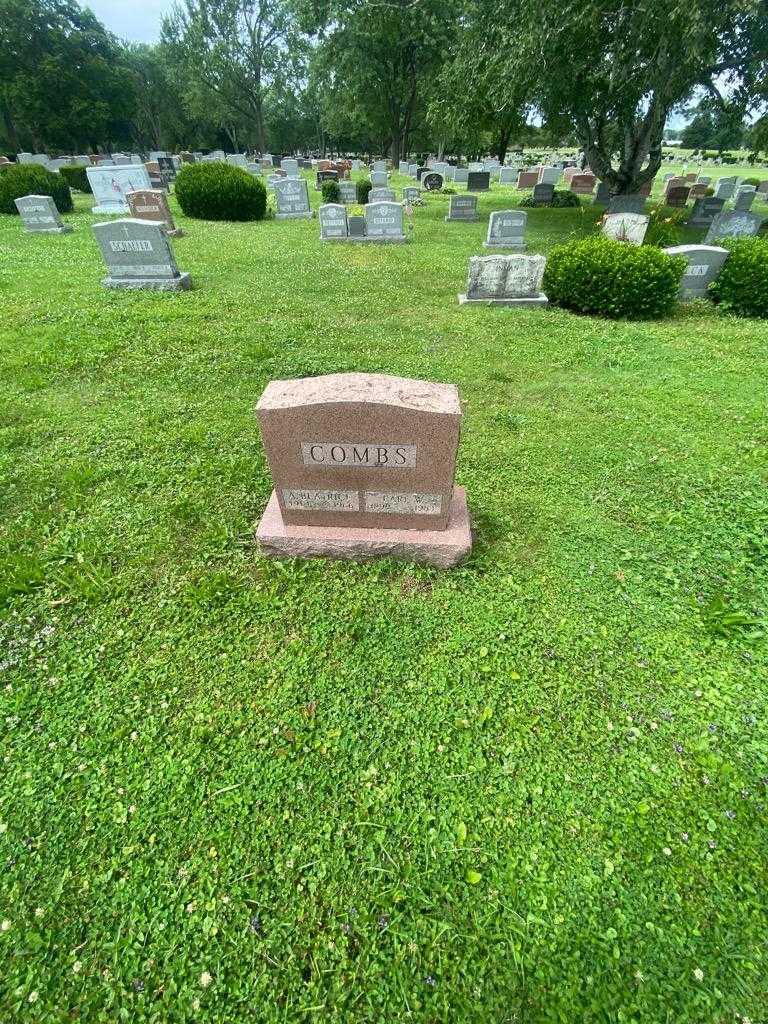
[704, 264]
[625, 227]
[333, 222]
[381, 193]
[631, 203]
[363, 466]
[292, 198]
[527, 179]
[348, 191]
[549, 175]
[322, 176]
[432, 181]
[698, 190]
[290, 166]
[460, 175]
[603, 194]
[725, 187]
[583, 184]
[380, 166]
[40, 216]
[411, 194]
[703, 180]
[152, 204]
[745, 196]
[138, 255]
[478, 181]
[110, 185]
[356, 227]
[121, 158]
[379, 179]
[506, 230]
[384, 222]
[677, 195]
[733, 224]
[462, 208]
[507, 176]
[412, 169]
[402, 167]
[704, 211]
[543, 194]
[167, 168]
[505, 280]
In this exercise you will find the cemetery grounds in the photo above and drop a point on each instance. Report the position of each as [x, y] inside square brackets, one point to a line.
[529, 789]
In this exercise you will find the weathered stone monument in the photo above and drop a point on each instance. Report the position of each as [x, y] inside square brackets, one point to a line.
[505, 281]
[507, 175]
[40, 216]
[110, 185]
[348, 191]
[733, 224]
[632, 202]
[745, 196]
[463, 208]
[363, 466]
[377, 194]
[625, 227]
[704, 264]
[138, 255]
[292, 198]
[506, 230]
[677, 195]
[543, 194]
[152, 204]
[379, 179]
[583, 184]
[725, 187]
[704, 211]
[290, 166]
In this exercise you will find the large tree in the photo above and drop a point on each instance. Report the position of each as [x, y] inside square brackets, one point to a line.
[230, 53]
[611, 71]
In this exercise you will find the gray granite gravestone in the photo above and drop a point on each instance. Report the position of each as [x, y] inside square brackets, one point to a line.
[380, 166]
[402, 167]
[333, 222]
[384, 222]
[110, 185]
[463, 208]
[412, 169]
[379, 179]
[543, 194]
[322, 176]
[745, 196]
[290, 166]
[40, 216]
[292, 198]
[412, 194]
[506, 230]
[704, 264]
[505, 281]
[507, 176]
[377, 194]
[733, 224]
[478, 181]
[549, 175]
[704, 210]
[603, 194]
[460, 175]
[725, 187]
[138, 255]
[632, 203]
[348, 191]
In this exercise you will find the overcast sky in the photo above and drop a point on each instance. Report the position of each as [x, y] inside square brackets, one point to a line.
[137, 20]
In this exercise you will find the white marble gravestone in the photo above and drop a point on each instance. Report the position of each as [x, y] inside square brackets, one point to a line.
[506, 230]
[704, 264]
[379, 179]
[138, 255]
[505, 281]
[110, 185]
[626, 227]
[40, 216]
[292, 197]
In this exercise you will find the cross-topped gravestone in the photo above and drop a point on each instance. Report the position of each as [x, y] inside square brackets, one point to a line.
[478, 181]
[704, 264]
[384, 222]
[110, 185]
[733, 224]
[363, 465]
[292, 198]
[138, 255]
[506, 230]
[463, 208]
[40, 216]
[152, 204]
[333, 222]
[625, 227]
[505, 281]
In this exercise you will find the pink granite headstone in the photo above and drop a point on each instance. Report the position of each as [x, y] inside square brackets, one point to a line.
[583, 184]
[363, 466]
[152, 204]
[527, 179]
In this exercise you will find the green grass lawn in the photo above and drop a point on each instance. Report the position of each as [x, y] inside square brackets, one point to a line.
[529, 789]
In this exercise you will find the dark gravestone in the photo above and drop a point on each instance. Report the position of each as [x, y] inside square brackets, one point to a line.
[543, 194]
[704, 211]
[603, 194]
[167, 169]
[632, 203]
[677, 195]
[432, 181]
[420, 171]
[478, 181]
[325, 176]
[356, 227]
[463, 208]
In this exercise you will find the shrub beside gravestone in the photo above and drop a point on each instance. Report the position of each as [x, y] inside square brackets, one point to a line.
[220, 191]
[742, 285]
[32, 179]
[331, 192]
[76, 178]
[561, 197]
[613, 279]
[363, 188]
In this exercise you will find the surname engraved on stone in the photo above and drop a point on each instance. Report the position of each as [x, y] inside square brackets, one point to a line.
[131, 245]
[296, 499]
[403, 504]
[696, 270]
[363, 455]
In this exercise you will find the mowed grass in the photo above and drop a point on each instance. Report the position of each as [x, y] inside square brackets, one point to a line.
[529, 789]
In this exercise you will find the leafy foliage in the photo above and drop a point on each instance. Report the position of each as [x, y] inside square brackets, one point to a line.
[31, 179]
[741, 287]
[330, 191]
[613, 279]
[664, 226]
[562, 198]
[76, 177]
[363, 187]
[219, 191]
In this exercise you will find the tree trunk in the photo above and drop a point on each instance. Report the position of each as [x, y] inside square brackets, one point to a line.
[8, 123]
[395, 147]
[642, 141]
[503, 142]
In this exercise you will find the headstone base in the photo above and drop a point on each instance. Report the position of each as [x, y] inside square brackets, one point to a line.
[373, 239]
[534, 300]
[64, 229]
[182, 283]
[176, 233]
[517, 246]
[461, 220]
[441, 548]
[307, 215]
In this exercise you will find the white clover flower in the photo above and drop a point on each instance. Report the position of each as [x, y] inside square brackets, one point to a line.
[205, 979]
[698, 974]
[32, 997]
[5, 925]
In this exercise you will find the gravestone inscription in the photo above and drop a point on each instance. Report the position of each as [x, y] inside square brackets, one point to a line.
[333, 222]
[704, 264]
[40, 216]
[625, 227]
[138, 255]
[506, 230]
[733, 224]
[152, 204]
[384, 222]
[292, 198]
[505, 280]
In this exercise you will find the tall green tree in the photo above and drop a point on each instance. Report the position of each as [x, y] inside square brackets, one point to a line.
[716, 125]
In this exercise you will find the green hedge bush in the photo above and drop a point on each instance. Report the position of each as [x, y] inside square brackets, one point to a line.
[220, 191]
[33, 180]
[613, 279]
[76, 177]
[330, 191]
[364, 186]
[742, 285]
[751, 181]
[561, 197]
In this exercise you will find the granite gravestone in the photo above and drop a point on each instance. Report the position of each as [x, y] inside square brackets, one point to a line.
[379, 179]
[290, 166]
[549, 175]
[725, 187]
[583, 184]
[543, 194]
[745, 196]
[733, 224]
[110, 185]
[384, 222]
[356, 227]
[377, 194]
[698, 191]
[348, 191]
[333, 222]
[478, 181]
[322, 176]
[625, 227]
[40, 216]
[138, 255]
[506, 230]
[460, 175]
[505, 281]
[152, 204]
[527, 179]
[463, 208]
[704, 264]
[292, 198]
[432, 181]
[411, 194]
[363, 466]
[507, 176]
[704, 211]
[380, 166]
[167, 168]
[631, 203]
[402, 167]
[677, 195]
[603, 194]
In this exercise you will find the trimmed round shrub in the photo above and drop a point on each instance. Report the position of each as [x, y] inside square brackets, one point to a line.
[364, 186]
[613, 279]
[33, 180]
[741, 287]
[330, 191]
[220, 191]
[751, 181]
[560, 197]
[76, 177]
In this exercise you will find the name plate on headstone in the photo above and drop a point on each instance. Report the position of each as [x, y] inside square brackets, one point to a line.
[364, 455]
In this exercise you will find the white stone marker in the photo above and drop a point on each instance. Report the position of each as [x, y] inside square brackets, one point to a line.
[626, 227]
[505, 281]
